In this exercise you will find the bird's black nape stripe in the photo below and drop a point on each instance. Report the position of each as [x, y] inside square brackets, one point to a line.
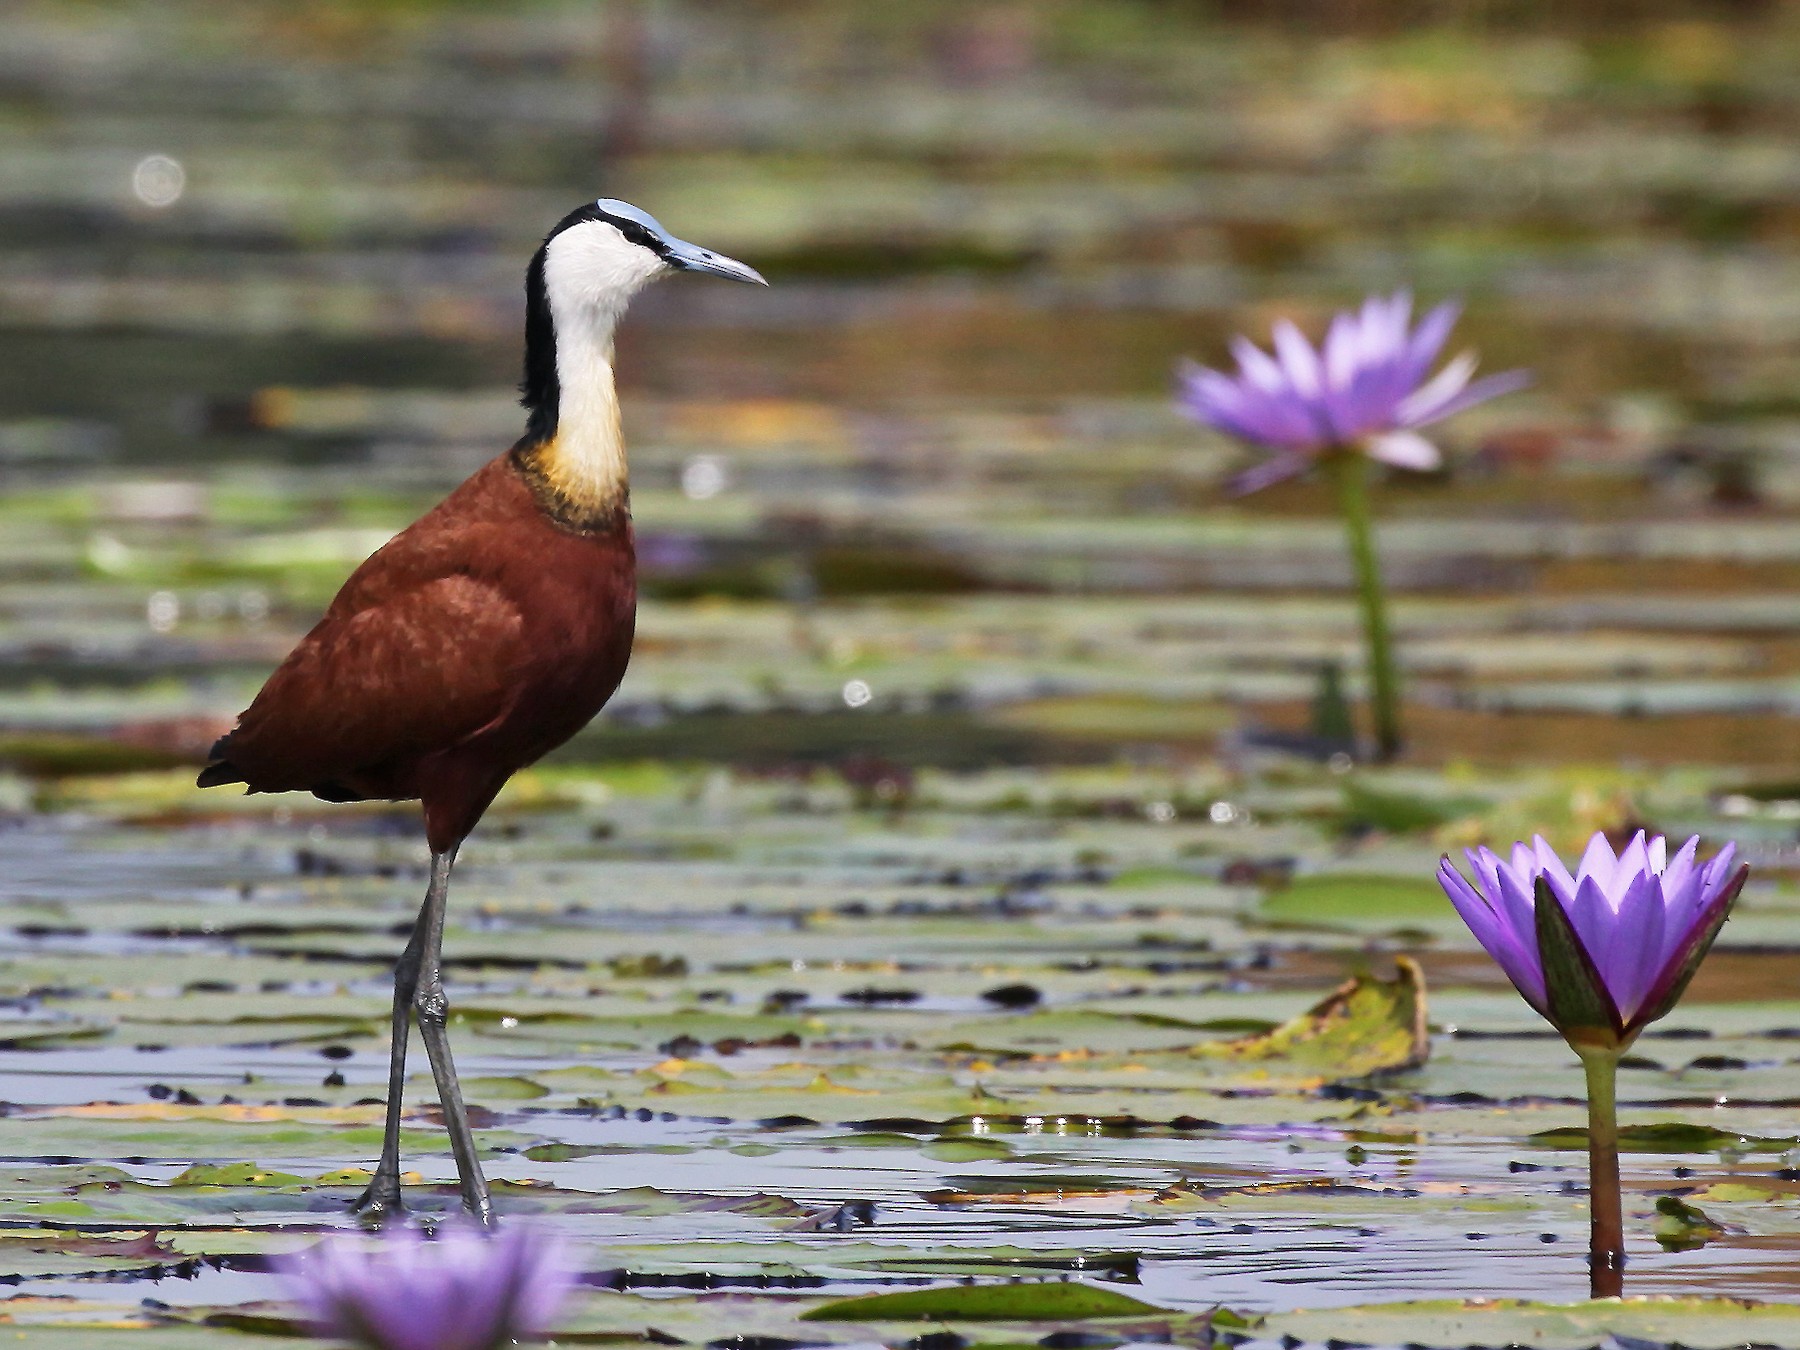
[539, 390]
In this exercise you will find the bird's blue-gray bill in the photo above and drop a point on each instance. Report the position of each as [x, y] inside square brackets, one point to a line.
[692, 258]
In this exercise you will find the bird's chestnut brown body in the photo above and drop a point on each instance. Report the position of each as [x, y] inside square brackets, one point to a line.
[474, 642]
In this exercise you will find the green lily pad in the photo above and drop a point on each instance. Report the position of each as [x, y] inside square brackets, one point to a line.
[1667, 1137]
[968, 1150]
[991, 1302]
[1404, 812]
[233, 1174]
[1358, 899]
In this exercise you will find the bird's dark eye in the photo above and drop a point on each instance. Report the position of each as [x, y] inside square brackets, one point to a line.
[635, 233]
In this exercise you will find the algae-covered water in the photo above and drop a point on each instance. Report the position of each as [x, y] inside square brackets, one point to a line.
[756, 1050]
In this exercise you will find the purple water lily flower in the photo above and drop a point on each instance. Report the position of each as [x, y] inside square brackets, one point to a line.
[1364, 388]
[1640, 920]
[465, 1290]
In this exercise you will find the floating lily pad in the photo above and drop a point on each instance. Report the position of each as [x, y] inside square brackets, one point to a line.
[1705, 1323]
[1357, 899]
[1367, 1026]
[1669, 1137]
[981, 1303]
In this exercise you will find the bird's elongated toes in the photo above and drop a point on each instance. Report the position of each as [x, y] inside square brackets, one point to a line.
[379, 1206]
[483, 1213]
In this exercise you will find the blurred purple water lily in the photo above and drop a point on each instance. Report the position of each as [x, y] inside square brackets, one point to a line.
[1640, 920]
[464, 1290]
[1364, 388]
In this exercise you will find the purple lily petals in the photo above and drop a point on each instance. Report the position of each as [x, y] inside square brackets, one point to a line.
[1514, 901]
[1672, 981]
[1487, 387]
[1363, 388]
[1524, 862]
[1510, 904]
[1702, 885]
[1633, 926]
[1428, 340]
[1719, 873]
[1401, 375]
[1405, 450]
[1298, 360]
[1417, 407]
[1207, 392]
[1551, 865]
[1270, 471]
[1241, 409]
[1592, 917]
[475, 1298]
[1343, 354]
[1679, 868]
[1681, 911]
[1598, 862]
[464, 1291]
[1469, 902]
[1635, 948]
[1258, 367]
[1487, 870]
[1518, 959]
[1634, 860]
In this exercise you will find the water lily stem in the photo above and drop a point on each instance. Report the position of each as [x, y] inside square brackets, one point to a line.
[1606, 1233]
[1349, 473]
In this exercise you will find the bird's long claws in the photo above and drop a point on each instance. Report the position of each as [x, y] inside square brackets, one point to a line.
[379, 1205]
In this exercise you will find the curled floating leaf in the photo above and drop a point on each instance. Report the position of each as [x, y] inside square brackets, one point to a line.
[1366, 1026]
[1681, 1227]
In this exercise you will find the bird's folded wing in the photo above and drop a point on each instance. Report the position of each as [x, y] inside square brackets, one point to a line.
[368, 691]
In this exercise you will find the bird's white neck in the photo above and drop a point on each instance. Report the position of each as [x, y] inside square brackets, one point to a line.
[590, 273]
[584, 461]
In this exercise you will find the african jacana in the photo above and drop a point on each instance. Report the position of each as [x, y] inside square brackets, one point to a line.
[483, 635]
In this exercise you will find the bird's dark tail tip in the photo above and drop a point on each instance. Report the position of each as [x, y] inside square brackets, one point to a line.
[220, 773]
[220, 770]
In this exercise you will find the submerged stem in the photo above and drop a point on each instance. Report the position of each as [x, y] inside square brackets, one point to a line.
[1349, 473]
[1606, 1233]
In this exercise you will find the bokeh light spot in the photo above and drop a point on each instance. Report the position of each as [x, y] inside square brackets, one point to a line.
[158, 181]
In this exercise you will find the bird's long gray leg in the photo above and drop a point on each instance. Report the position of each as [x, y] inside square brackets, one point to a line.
[381, 1201]
[433, 1011]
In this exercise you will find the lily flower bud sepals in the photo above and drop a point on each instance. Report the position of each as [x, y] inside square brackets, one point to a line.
[1574, 991]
